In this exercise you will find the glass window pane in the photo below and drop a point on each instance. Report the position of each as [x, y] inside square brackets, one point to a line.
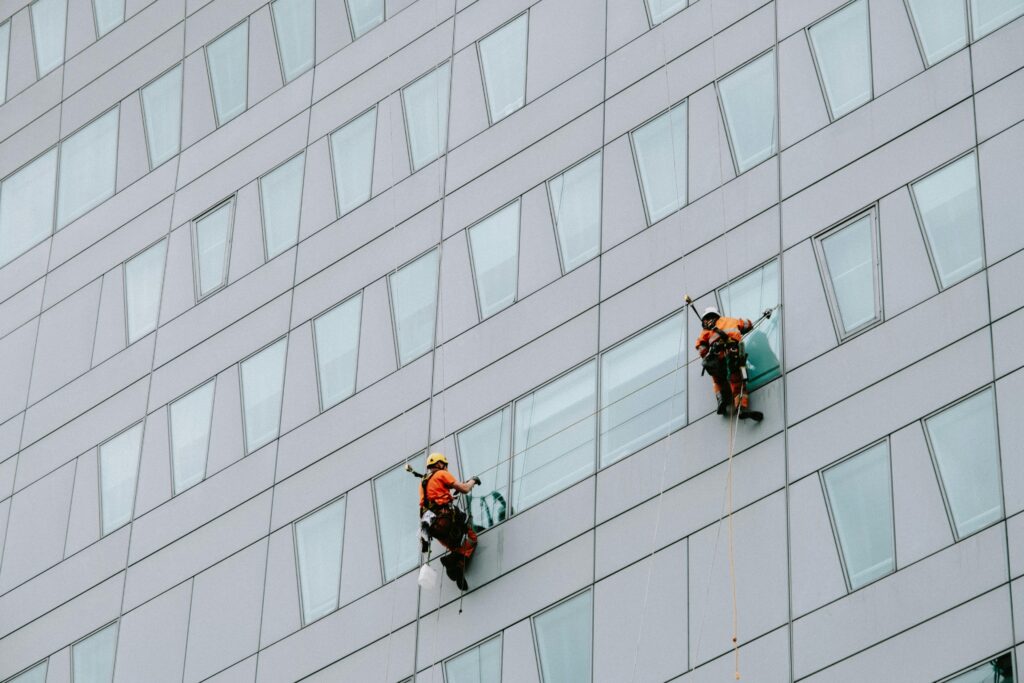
[564, 638]
[576, 206]
[748, 102]
[88, 168]
[48, 25]
[484, 452]
[93, 657]
[5, 38]
[503, 60]
[143, 282]
[941, 26]
[643, 389]
[494, 245]
[966, 447]
[414, 306]
[213, 240]
[352, 153]
[554, 437]
[988, 15]
[850, 263]
[109, 15]
[337, 348]
[748, 297]
[364, 15]
[191, 417]
[663, 9]
[482, 664]
[950, 209]
[26, 206]
[660, 149]
[293, 21]
[228, 58]
[37, 674]
[318, 540]
[119, 465]
[843, 54]
[999, 670]
[395, 495]
[262, 383]
[860, 496]
[281, 194]
[426, 116]
[161, 107]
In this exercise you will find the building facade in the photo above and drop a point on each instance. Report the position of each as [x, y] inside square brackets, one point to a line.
[256, 257]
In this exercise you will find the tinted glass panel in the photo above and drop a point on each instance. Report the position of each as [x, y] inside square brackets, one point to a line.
[850, 263]
[662, 9]
[503, 60]
[660, 149]
[999, 670]
[262, 381]
[576, 206]
[143, 282]
[293, 22]
[564, 639]
[93, 658]
[227, 58]
[36, 674]
[88, 168]
[494, 243]
[748, 101]
[396, 494]
[843, 53]
[941, 26]
[318, 540]
[213, 238]
[426, 116]
[484, 450]
[748, 297]
[988, 15]
[5, 37]
[26, 206]
[482, 664]
[281, 194]
[352, 154]
[191, 417]
[109, 14]
[337, 347]
[161, 106]
[364, 15]
[119, 465]
[414, 306]
[48, 24]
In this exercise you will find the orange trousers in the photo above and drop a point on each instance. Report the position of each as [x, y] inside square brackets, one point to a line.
[737, 387]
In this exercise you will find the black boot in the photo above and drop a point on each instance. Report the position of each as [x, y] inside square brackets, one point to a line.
[748, 414]
[723, 406]
[451, 567]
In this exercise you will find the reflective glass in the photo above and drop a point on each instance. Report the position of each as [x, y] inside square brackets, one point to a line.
[999, 670]
[109, 15]
[941, 26]
[860, 495]
[119, 465]
[503, 60]
[364, 15]
[660, 149]
[88, 168]
[482, 664]
[26, 206]
[484, 450]
[576, 206]
[426, 116]
[352, 154]
[950, 209]
[494, 244]
[554, 437]
[850, 263]
[161, 107]
[395, 495]
[92, 659]
[643, 389]
[293, 21]
[988, 15]
[262, 384]
[228, 59]
[191, 417]
[843, 54]
[281, 194]
[143, 282]
[48, 25]
[318, 540]
[414, 306]
[748, 297]
[965, 443]
[5, 38]
[564, 639]
[662, 9]
[337, 348]
[213, 241]
[37, 674]
[748, 102]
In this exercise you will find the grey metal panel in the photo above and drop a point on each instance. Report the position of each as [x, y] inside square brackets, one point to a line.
[9, 432]
[376, 340]
[133, 7]
[556, 54]
[16, 351]
[477, 21]
[45, 94]
[518, 656]
[538, 251]
[999, 162]
[645, 302]
[197, 118]
[301, 400]
[797, 14]
[1000, 105]
[58, 667]
[388, 659]
[469, 118]
[360, 569]
[84, 518]
[18, 309]
[179, 288]
[709, 163]
[391, 164]
[25, 269]
[5, 509]
[805, 300]
[206, 24]
[1005, 287]
[457, 308]
[802, 107]
[111, 335]
[132, 158]
[817, 576]
[151, 639]
[767, 657]
[922, 525]
[21, 68]
[154, 481]
[318, 205]
[331, 28]
[281, 610]
[1011, 431]
[264, 64]
[247, 241]
[1006, 335]
[894, 53]
[747, 38]
[907, 276]
[1017, 596]
[622, 209]
[998, 54]
[627, 20]
[64, 345]
[27, 143]
[1015, 539]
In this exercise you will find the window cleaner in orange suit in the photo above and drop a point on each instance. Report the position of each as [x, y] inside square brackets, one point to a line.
[445, 522]
[720, 345]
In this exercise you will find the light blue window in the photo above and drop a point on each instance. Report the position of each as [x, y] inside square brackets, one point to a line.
[494, 245]
[414, 306]
[119, 467]
[5, 39]
[161, 108]
[88, 168]
[92, 659]
[318, 545]
[281, 197]
[352, 155]
[213, 246]
[48, 25]
[941, 27]
[484, 451]
[228, 62]
[426, 116]
[503, 61]
[396, 494]
[143, 283]
[576, 208]
[364, 15]
[554, 444]
[190, 419]
[481, 664]
[842, 51]
[293, 24]
[949, 207]
[37, 674]
[109, 15]
[748, 297]
[965, 444]
[859, 491]
[748, 104]
[337, 350]
[988, 15]
[660, 10]
[26, 206]
[849, 257]
[999, 670]
[262, 386]
[643, 389]
[564, 635]
[660, 150]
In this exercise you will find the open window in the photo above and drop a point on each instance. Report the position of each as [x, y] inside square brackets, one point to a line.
[748, 297]
[848, 258]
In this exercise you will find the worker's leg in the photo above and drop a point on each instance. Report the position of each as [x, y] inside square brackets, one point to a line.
[739, 391]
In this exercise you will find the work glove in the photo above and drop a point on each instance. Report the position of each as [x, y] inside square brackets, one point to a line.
[768, 313]
[477, 480]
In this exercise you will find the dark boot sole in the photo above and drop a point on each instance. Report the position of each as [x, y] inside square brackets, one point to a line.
[752, 415]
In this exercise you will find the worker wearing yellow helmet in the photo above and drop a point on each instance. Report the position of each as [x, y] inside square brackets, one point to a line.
[448, 524]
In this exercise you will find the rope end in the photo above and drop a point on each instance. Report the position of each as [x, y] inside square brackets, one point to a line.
[737, 675]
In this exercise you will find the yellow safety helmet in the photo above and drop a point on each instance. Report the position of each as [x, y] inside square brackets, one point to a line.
[435, 458]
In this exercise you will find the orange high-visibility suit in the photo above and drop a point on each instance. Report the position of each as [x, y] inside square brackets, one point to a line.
[437, 484]
[733, 329]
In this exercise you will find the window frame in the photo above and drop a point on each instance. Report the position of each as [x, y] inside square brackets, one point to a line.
[241, 393]
[775, 112]
[443, 152]
[377, 517]
[209, 76]
[872, 213]
[35, 48]
[96, 21]
[116, 623]
[536, 640]
[375, 108]
[316, 349]
[965, 4]
[277, 48]
[685, 102]
[181, 113]
[780, 356]
[7, 66]
[391, 305]
[44, 662]
[988, 660]
[650, 16]
[483, 74]
[600, 209]
[99, 478]
[341, 557]
[480, 643]
[817, 64]
[351, 25]
[263, 213]
[57, 225]
[507, 461]
[124, 288]
[194, 230]
[209, 436]
[472, 259]
[55, 148]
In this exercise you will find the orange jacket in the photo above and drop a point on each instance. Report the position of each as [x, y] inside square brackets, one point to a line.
[733, 328]
[438, 483]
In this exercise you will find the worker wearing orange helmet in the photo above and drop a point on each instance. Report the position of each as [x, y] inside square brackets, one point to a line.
[444, 521]
[719, 345]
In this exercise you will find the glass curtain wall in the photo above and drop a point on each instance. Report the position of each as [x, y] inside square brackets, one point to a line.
[575, 198]
[191, 417]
